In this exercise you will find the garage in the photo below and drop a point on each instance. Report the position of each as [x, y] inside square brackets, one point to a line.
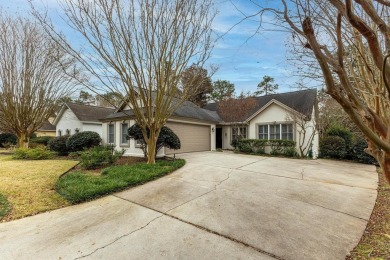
[193, 137]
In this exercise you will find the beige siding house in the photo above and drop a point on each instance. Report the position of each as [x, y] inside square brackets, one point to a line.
[289, 116]
[194, 126]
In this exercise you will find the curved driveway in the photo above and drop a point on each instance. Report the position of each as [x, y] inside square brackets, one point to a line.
[218, 206]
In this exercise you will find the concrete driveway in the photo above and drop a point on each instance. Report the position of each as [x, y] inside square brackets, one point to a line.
[218, 206]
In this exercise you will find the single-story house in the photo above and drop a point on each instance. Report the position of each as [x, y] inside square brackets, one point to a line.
[194, 126]
[277, 116]
[74, 118]
[47, 129]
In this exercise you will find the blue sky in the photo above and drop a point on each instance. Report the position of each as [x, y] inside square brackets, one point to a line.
[242, 56]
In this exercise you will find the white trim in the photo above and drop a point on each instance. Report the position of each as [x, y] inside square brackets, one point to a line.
[127, 144]
[273, 101]
[91, 123]
[108, 133]
[188, 122]
[62, 111]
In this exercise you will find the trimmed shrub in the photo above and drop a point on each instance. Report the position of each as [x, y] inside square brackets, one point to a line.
[253, 146]
[39, 153]
[99, 156]
[278, 147]
[282, 147]
[8, 138]
[333, 147]
[58, 145]
[83, 140]
[42, 140]
[346, 134]
[167, 138]
[360, 155]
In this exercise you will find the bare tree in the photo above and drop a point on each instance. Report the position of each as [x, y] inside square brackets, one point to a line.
[235, 111]
[306, 129]
[140, 48]
[350, 43]
[198, 78]
[34, 74]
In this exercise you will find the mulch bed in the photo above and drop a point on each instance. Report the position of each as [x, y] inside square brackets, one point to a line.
[375, 243]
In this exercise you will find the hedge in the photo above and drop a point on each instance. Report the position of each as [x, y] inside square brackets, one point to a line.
[257, 146]
[58, 145]
[83, 140]
[8, 138]
[42, 140]
[333, 147]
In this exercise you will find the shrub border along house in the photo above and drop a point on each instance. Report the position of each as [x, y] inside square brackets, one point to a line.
[272, 147]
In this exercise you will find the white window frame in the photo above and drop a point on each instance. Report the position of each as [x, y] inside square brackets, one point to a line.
[108, 133]
[125, 142]
[239, 129]
[281, 124]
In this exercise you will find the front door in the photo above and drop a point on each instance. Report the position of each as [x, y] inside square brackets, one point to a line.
[218, 144]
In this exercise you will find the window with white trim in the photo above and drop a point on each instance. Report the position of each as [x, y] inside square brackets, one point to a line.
[276, 132]
[263, 132]
[124, 139]
[287, 132]
[111, 134]
[239, 133]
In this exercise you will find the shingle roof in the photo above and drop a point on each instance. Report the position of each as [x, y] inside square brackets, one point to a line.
[47, 126]
[187, 110]
[301, 101]
[89, 113]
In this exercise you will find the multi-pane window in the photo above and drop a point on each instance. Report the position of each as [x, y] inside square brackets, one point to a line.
[287, 132]
[124, 128]
[239, 133]
[276, 132]
[111, 134]
[263, 132]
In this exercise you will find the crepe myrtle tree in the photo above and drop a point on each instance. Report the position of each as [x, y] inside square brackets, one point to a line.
[140, 48]
[235, 111]
[167, 138]
[346, 44]
[34, 74]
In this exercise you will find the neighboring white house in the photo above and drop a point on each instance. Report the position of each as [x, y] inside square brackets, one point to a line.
[276, 116]
[194, 126]
[74, 118]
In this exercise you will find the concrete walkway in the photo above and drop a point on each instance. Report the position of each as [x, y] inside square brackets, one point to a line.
[218, 206]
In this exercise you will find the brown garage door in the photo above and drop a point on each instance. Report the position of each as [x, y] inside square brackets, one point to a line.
[193, 138]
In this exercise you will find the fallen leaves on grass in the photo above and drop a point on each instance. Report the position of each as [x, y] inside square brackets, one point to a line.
[29, 185]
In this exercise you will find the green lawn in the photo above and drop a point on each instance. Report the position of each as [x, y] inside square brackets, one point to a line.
[86, 185]
[4, 206]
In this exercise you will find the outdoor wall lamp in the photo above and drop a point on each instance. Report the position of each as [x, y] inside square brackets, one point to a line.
[212, 129]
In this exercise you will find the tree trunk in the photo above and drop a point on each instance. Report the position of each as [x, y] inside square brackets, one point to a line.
[23, 141]
[385, 165]
[152, 143]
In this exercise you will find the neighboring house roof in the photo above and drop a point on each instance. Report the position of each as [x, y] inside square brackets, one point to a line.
[47, 127]
[85, 113]
[301, 101]
[187, 110]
